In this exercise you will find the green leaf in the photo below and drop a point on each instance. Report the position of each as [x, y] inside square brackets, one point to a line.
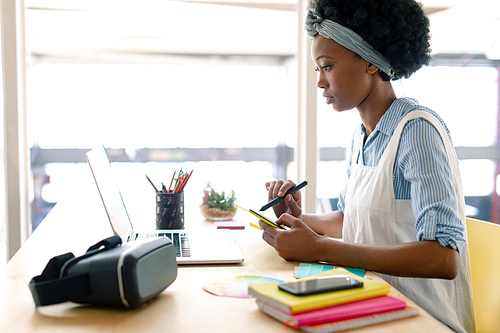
[222, 201]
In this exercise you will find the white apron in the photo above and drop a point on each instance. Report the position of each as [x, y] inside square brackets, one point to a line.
[372, 215]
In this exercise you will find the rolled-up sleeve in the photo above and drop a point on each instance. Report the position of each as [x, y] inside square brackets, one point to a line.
[424, 164]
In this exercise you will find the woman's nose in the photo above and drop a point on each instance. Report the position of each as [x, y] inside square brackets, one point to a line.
[322, 83]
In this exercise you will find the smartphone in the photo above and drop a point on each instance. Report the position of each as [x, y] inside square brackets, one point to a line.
[265, 219]
[320, 285]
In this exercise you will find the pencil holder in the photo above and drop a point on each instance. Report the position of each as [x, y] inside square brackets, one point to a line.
[169, 210]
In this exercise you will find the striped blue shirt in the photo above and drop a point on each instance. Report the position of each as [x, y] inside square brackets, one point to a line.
[422, 173]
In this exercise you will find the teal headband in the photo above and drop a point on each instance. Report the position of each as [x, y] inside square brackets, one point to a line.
[348, 39]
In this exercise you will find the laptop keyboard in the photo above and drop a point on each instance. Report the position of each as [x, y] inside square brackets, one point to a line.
[180, 241]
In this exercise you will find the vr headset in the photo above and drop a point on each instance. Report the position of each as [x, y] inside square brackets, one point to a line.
[108, 274]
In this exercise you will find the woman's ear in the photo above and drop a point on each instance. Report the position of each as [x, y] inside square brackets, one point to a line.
[371, 69]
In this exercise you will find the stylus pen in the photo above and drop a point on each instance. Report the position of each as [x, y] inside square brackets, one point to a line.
[266, 220]
[278, 199]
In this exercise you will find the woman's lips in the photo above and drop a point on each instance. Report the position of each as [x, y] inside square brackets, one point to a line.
[329, 99]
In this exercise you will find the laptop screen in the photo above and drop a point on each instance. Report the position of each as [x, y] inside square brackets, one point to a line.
[109, 191]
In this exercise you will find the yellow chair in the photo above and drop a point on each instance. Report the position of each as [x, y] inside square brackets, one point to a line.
[484, 250]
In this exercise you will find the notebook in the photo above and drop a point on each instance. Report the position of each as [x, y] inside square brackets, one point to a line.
[271, 294]
[207, 246]
[350, 324]
[334, 313]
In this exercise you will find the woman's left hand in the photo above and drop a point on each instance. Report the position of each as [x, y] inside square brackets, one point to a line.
[299, 243]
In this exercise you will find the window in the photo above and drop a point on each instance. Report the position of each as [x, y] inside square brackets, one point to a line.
[164, 93]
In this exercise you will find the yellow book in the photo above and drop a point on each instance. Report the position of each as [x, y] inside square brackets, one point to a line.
[271, 294]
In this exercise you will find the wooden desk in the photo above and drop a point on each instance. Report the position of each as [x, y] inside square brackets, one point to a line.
[183, 307]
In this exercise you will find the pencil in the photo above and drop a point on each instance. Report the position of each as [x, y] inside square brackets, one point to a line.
[156, 190]
[170, 186]
[255, 225]
[180, 179]
[186, 180]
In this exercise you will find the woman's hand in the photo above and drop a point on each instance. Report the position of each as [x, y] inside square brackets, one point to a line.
[299, 243]
[292, 203]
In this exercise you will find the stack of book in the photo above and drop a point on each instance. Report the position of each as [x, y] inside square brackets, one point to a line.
[332, 311]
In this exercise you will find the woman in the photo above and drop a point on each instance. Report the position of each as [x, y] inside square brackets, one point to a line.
[402, 211]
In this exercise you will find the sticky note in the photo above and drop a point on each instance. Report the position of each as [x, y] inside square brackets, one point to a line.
[229, 225]
[311, 269]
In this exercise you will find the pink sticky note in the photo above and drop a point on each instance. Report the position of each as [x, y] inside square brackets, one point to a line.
[229, 225]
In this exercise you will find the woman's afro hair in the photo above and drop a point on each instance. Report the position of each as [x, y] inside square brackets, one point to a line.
[398, 29]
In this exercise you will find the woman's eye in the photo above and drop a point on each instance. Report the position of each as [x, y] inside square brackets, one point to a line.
[323, 68]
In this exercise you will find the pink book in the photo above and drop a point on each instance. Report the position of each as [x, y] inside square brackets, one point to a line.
[334, 313]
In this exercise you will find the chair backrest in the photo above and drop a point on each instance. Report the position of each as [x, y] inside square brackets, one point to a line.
[484, 250]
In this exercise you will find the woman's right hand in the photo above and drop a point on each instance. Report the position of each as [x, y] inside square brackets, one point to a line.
[292, 203]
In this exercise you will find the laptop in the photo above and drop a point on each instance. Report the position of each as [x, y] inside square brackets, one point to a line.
[193, 247]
